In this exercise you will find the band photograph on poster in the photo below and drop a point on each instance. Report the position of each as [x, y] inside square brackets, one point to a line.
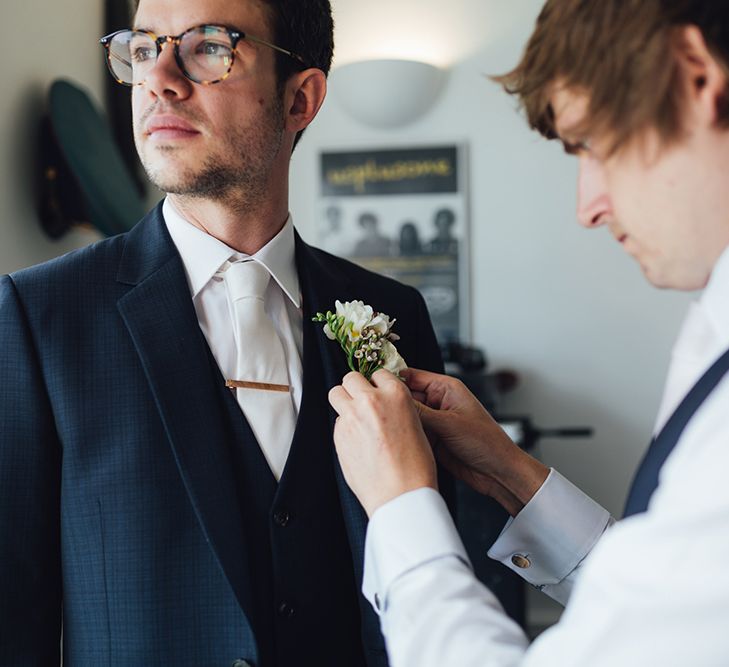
[403, 213]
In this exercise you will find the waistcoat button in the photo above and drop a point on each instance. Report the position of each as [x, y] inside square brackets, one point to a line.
[285, 610]
[282, 518]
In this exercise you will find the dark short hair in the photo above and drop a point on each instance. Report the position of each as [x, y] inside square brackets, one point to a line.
[306, 28]
[620, 53]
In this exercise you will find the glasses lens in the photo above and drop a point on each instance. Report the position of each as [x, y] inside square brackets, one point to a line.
[131, 55]
[206, 53]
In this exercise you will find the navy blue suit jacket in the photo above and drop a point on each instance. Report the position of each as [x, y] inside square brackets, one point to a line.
[118, 512]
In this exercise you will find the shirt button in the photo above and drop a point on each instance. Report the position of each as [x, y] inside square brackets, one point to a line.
[377, 602]
[282, 518]
[520, 561]
[285, 610]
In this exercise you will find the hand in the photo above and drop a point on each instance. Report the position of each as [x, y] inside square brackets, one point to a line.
[470, 444]
[380, 442]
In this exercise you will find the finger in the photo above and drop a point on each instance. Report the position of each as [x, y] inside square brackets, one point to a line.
[339, 399]
[419, 379]
[382, 379]
[355, 383]
[424, 381]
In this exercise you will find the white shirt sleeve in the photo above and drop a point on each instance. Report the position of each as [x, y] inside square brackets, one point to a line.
[548, 540]
[653, 590]
[412, 549]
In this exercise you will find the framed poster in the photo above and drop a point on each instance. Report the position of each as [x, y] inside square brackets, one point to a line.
[403, 212]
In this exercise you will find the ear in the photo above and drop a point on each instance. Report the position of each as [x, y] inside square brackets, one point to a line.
[305, 93]
[704, 80]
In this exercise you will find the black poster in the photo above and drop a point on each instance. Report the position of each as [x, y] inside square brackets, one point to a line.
[403, 212]
[390, 172]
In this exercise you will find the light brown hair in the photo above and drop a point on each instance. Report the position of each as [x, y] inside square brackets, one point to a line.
[620, 53]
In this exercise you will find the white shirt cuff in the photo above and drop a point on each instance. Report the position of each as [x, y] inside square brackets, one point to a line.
[554, 532]
[405, 533]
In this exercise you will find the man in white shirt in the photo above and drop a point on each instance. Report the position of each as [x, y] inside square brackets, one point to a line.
[169, 490]
[637, 89]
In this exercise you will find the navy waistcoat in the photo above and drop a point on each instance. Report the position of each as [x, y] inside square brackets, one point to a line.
[646, 479]
[305, 596]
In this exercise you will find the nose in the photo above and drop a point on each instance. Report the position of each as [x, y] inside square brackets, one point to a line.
[594, 207]
[165, 79]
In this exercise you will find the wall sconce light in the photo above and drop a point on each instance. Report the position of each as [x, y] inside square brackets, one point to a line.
[387, 93]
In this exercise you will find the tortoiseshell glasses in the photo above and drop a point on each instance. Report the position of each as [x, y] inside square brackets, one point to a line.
[205, 54]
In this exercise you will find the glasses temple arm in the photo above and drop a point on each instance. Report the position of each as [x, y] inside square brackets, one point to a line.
[119, 58]
[291, 54]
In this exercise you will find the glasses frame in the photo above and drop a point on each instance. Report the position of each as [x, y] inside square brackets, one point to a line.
[160, 40]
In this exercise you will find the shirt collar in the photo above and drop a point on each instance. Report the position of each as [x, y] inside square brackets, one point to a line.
[713, 299]
[202, 255]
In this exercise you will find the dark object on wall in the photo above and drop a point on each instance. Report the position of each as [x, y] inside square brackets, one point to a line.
[521, 430]
[84, 178]
[61, 203]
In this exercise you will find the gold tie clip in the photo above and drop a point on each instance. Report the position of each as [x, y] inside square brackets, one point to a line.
[262, 386]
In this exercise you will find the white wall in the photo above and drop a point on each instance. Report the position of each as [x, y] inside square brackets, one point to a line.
[39, 42]
[561, 305]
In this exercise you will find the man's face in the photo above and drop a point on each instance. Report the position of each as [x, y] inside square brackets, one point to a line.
[665, 205]
[443, 222]
[216, 141]
[369, 224]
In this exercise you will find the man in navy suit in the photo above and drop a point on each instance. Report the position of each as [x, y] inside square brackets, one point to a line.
[144, 514]
[638, 90]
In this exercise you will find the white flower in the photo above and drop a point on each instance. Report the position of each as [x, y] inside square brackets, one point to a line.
[381, 324]
[365, 336]
[357, 317]
[391, 359]
[328, 332]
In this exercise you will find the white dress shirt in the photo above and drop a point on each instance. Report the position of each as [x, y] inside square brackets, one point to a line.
[654, 589]
[203, 255]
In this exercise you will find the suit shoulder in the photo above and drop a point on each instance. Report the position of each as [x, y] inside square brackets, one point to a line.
[90, 263]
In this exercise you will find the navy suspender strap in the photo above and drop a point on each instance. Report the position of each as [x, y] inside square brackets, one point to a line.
[646, 479]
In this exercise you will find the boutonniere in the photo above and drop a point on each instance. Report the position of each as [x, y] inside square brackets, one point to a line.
[365, 336]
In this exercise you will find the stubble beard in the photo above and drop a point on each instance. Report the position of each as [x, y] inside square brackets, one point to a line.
[236, 176]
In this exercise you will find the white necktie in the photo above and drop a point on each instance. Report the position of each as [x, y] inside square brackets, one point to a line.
[262, 382]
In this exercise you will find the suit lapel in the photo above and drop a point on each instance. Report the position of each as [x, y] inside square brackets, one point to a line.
[161, 320]
[321, 285]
